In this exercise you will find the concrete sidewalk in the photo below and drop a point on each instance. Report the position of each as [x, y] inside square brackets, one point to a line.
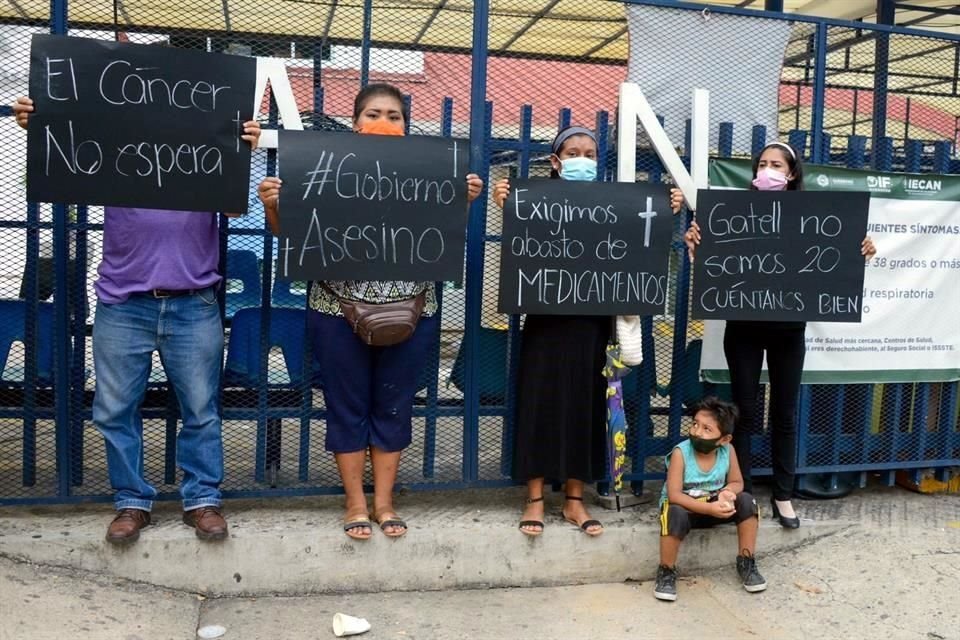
[892, 571]
[457, 539]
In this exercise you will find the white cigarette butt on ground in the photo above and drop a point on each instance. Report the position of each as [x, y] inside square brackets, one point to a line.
[211, 631]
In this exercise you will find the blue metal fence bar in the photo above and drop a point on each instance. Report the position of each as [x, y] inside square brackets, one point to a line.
[919, 426]
[602, 131]
[817, 151]
[856, 158]
[30, 347]
[641, 442]
[856, 155]
[948, 422]
[891, 394]
[758, 138]
[61, 315]
[433, 367]
[836, 399]
[681, 313]
[798, 140]
[725, 139]
[913, 155]
[306, 373]
[79, 336]
[941, 155]
[365, 42]
[804, 414]
[882, 154]
[481, 126]
[318, 49]
[268, 429]
[513, 322]
[886, 10]
[604, 155]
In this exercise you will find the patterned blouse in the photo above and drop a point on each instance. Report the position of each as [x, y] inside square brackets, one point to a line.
[374, 291]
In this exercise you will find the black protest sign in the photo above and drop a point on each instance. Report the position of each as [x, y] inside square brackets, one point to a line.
[138, 125]
[585, 248]
[781, 256]
[369, 207]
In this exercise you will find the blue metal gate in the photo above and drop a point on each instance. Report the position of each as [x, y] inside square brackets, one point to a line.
[499, 78]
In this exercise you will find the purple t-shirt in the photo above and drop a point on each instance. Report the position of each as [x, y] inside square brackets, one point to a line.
[146, 249]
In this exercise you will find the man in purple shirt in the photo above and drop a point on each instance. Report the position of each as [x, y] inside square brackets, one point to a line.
[157, 292]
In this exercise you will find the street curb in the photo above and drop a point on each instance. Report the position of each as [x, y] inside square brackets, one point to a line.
[260, 560]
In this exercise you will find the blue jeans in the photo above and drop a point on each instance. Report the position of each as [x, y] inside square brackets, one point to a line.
[187, 332]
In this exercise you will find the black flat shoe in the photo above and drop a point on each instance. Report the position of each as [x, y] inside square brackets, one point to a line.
[785, 522]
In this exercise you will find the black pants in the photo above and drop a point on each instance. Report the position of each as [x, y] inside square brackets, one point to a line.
[676, 521]
[744, 344]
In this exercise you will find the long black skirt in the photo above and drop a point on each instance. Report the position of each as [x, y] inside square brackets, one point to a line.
[561, 399]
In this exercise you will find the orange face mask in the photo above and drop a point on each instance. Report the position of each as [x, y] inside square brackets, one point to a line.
[381, 128]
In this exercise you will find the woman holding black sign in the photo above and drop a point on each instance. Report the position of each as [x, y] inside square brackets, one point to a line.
[561, 391]
[776, 168]
[369, 389]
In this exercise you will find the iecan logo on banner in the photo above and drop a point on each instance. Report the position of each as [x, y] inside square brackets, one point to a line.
[922, 184]
[138, 125]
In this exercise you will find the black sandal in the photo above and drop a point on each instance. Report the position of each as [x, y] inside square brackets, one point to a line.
[532, 523]
[352, 523]
[398, 524]
[584, 526]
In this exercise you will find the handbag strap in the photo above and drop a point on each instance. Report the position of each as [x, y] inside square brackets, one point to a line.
[340, 298]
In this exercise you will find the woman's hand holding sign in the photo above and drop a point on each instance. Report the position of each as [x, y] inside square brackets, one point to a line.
[269, 194]
[251, 133]
[474, 187]
[867, 249]
[676, 199]
[501, 191]
[22, 109]
[692, 238]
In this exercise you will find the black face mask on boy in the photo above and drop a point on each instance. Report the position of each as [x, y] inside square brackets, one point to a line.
[705, 445]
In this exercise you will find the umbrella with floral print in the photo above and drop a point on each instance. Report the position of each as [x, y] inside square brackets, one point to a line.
[614, 371]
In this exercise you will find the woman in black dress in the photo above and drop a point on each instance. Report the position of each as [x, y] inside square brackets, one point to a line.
[561, 395]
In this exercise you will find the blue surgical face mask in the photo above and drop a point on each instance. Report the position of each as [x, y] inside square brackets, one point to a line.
[581, 168]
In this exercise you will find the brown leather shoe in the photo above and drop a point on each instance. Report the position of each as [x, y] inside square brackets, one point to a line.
[126, 526]
[208, 523]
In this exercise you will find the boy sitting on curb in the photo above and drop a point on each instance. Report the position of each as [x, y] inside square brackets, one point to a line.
[703, 488]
